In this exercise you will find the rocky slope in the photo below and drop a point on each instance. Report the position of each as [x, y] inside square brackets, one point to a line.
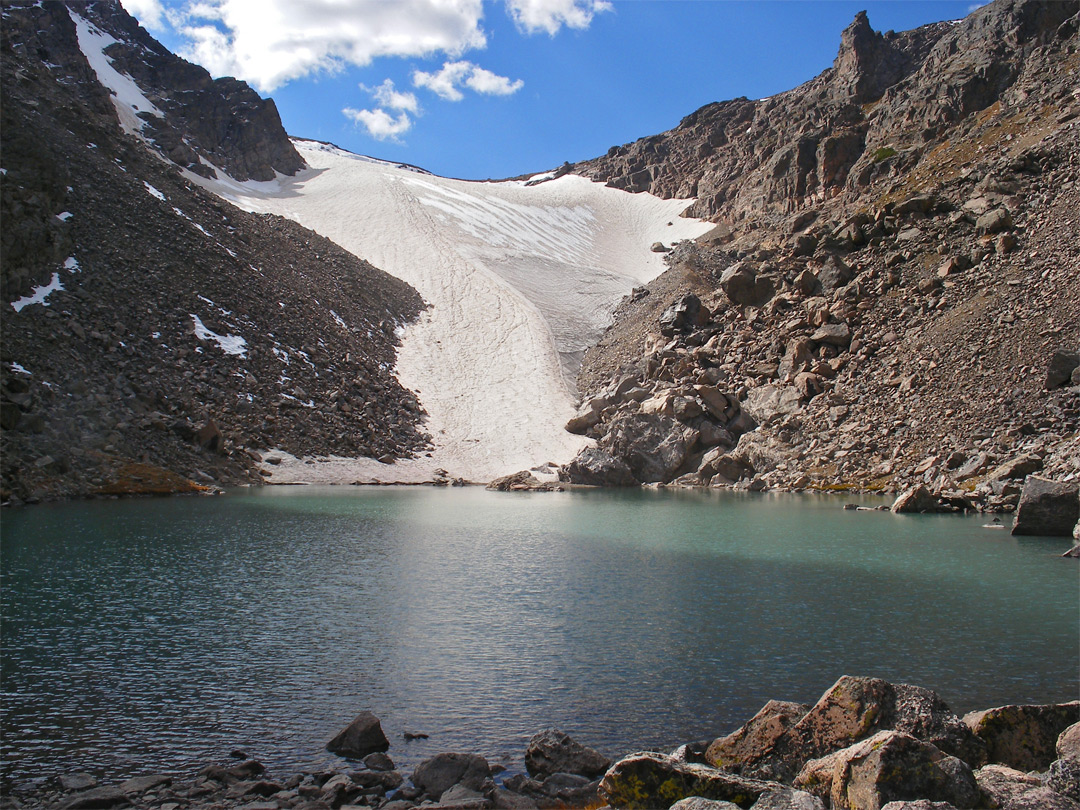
[155, 338]
[892, 292]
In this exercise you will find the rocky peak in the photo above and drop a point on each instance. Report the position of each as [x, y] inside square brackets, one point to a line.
[867, 62]
[205, 124]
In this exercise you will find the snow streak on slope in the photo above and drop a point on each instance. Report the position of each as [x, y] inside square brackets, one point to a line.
[520, 279]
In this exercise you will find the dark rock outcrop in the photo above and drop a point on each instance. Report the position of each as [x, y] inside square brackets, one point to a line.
[1048, 508]
[363, 736]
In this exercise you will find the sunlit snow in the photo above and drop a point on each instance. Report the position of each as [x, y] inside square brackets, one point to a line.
[39, 294]
[127, 97]
[520, 281]
[154, 192]
[230, 344]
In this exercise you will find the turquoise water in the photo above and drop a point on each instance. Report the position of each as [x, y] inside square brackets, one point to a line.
[153, 635]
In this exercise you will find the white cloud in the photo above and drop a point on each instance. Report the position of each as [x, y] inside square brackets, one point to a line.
[453, 75]
[491, 84]
[149, 13]
[379, 123]
[388, 96]
[533, 16]
[270, 42]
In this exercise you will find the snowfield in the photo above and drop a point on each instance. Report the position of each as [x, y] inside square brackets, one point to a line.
[520, 281]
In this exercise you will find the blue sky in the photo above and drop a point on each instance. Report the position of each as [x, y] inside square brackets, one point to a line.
[496, 88]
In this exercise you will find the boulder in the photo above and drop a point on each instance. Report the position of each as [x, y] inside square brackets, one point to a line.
[788, 799]
[756, 735]
[95, 799]
[918, 804]
[743, 286]
[646, 780]
[856, 708]
[915, 500]
[808, 385]
[684, 315]
[460, 797]
[1023, 737]
[1068, 743]
[1060, 371]
[552, 751]
[1064, 777]
[523, 481]
[768, 401]
[1010, 789]
[1048, 508]
[894, 766]
[698, 803]
[1018, 467]
[798, 356]
[807, 283]
[654, 447]
[834, 274]
[438, 774]
[833, 334]
[994, 221]
[596, 467]
[361, 737]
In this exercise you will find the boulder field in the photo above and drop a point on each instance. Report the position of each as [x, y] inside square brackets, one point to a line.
[866, 744]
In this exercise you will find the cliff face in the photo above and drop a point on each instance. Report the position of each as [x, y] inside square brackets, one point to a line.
[153, 337]
[893, 279]
[888, 100]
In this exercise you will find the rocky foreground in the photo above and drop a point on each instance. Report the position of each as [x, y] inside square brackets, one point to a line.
[867, 744]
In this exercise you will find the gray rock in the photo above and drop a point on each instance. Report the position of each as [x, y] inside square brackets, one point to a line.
[698, 803]
[379, 762]
[77, 781]
[833, 334]
[1060, 371]
[894, 766]
[743, 286]
[1068, 743]
[856, 708]
[460, 797]
[1048, 508]
[684, 315]
[438, 774]
[363, 736]
[994, 221]
[646, 780]
[755, 737]
[141, 784]
[654, 447]
[834, 274]
[1023, 737]
[1018, 467]
[1064, 777]
[1010, 789]
[919, 804]
[916, 500]
[596, 467]
[553, 752]
[788, 799]
[95, 799]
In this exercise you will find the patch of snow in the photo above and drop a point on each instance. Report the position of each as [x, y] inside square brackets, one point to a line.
[39, 294]
[154, 192]
[17, 367]
[64, 216]
[520, 279]
[71, 265]
[127, 97]
[338, 318]
[230, 344]
[3, 172]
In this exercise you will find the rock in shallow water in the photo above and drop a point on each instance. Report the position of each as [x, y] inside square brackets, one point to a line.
[361, 737]
[551, 751]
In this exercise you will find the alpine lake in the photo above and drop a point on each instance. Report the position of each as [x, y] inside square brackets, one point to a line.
[145, 636]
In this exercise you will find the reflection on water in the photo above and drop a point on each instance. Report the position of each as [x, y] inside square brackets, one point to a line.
[160, 635]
